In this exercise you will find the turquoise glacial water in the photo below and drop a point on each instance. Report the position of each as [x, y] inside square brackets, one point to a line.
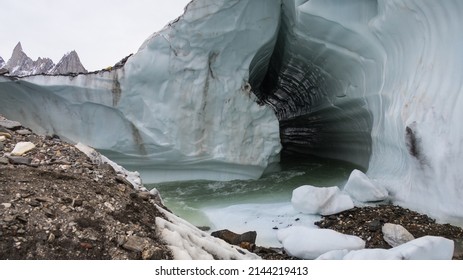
[187, 198]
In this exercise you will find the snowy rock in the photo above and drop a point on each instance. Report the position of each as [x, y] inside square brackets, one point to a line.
[309, 243]
[362, 189]
[324, 201]
[396, 235]
[187, 242]
[21, 148]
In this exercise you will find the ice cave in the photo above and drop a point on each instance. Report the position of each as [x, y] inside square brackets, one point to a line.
[232, 87]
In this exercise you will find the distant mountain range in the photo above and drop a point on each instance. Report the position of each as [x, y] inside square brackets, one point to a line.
[21, 65]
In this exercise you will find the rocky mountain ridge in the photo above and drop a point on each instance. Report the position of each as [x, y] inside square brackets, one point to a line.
[20, 64]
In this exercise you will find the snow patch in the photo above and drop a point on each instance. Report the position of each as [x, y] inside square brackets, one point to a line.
[187, 242]
[265, 219]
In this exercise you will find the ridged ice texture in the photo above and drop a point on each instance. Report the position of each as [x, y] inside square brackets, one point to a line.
[401, 61]
[180, 108]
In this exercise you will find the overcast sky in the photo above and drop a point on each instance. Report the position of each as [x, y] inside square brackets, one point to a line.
[101, 31]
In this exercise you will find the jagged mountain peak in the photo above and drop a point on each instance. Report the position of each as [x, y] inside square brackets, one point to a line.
[18, 48]
[2, 62]
[22, 65]
[70, 62]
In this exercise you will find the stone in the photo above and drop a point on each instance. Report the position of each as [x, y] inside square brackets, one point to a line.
[86, 245]
[152, 253]
[34, 203]
[49, 213]
[1, 145]
[109, 206]
[235, 238]
[5, 134]
[23, 132]
[396, 235]
[144, 195]
[4, 160]
[123, 180]
[6, 205]
[10, 124]
[2, 138]
[374, 225]
[51, 238]
[20, 160]
[44, 199]
[135, 244]
[22, 148]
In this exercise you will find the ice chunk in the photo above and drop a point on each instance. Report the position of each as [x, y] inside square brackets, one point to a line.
[423, 248]
[426, 248]
[372, 254]
[333, 255]
[307, 243]
[324, 201]
[362, 189]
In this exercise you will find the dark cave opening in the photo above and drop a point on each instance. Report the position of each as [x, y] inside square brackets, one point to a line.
[316, 117]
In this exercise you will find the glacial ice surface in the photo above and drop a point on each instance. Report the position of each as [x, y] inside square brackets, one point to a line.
[180, 108]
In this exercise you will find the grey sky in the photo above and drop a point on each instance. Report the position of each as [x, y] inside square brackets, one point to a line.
[101, 31]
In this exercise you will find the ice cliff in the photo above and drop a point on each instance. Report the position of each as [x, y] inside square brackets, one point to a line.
[376, 83]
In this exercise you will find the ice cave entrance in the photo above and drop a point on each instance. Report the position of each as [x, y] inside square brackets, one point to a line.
[317, 99]
[325, 132]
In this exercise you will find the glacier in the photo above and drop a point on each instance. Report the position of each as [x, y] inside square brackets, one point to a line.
[374, 83]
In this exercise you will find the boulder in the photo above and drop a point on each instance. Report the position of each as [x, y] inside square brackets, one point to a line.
[235, 238]
[396, 235]
[10, 124]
